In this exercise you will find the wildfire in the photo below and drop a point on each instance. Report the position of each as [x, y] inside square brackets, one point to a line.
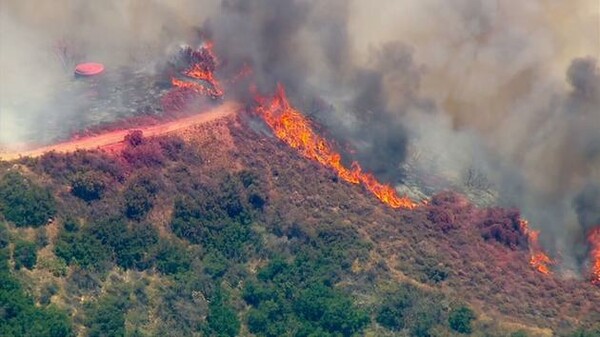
[289, 125]
[203, 64]
[594, 240]
[539, 260]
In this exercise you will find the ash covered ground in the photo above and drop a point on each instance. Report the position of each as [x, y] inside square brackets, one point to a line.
[115, 95]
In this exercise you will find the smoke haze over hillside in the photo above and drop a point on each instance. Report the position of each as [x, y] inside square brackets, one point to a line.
[512, 88]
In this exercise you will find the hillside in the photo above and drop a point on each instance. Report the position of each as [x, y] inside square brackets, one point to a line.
[222, 230]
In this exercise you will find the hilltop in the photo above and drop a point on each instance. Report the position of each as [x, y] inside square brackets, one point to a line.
[221, 229]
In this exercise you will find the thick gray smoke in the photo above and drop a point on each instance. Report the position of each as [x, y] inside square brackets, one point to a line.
[505, 88]
[41, 42]
[508, 89]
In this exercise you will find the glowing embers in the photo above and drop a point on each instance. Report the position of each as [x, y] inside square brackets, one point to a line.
[199, 76]
[289, 125]
[539, 260]
[594, 240]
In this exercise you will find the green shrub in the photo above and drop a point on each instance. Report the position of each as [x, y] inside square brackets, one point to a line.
[138, 202]
[24, 203]
[81, 249]
[88, 186]
[395, 307]
[171, 258]
[520, 333]
[20, 316]
[460, 319]
[25, 254]
[57, 267]
[106, 317]
[222, 319]
[4, 235]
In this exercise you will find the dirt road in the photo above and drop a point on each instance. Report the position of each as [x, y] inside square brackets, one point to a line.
[116, 137]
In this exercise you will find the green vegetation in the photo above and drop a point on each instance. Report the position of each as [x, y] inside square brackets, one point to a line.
[460, 319]
[88, 185]
[519, 333]
[20, 316]
[159, 244]
[139, 196]
[25, 254]
[407, 307]
[105, 317]
[25, 203]
[222, 319]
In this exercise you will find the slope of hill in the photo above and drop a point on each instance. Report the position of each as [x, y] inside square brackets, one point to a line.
[222, 230]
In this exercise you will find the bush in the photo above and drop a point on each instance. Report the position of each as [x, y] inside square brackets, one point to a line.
[139, 195]
[395, 307]
[106, 317]
[4, 235]
[25, 254]
[460, 319]
[503, 225]
[222, 319]
[20, 316]
[171, 258]
[24, 203]
[138, 202]
[143, 153]
[41, 238]
[88, 186]
[135, 138]
[81, 249]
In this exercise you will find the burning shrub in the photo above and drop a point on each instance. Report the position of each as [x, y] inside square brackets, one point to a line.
[504, 226]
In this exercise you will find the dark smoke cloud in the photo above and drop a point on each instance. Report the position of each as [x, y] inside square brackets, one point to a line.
[587, 206]
[500, 86]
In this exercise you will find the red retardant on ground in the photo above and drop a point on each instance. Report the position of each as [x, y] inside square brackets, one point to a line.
[89, 69]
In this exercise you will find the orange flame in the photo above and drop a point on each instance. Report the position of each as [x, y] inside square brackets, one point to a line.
[594, 240]
[289, 125]
[539, 260]
[200, 72]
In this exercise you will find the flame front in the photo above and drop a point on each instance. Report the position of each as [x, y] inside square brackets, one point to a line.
[202, 71]
[594, 240]
[289, 125]
[539, 260]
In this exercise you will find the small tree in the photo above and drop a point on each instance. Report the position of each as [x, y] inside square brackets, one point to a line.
[138, 202]
[25, 254]
[135, 138]
[393, 311]
[4, 235]
[460, 319]
[88, 186]
[24, 203]
[222, 319]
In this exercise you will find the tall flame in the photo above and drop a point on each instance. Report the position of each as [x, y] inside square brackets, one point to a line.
[202, 71]
[539, 260]
[594, 240]
[289, 125]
